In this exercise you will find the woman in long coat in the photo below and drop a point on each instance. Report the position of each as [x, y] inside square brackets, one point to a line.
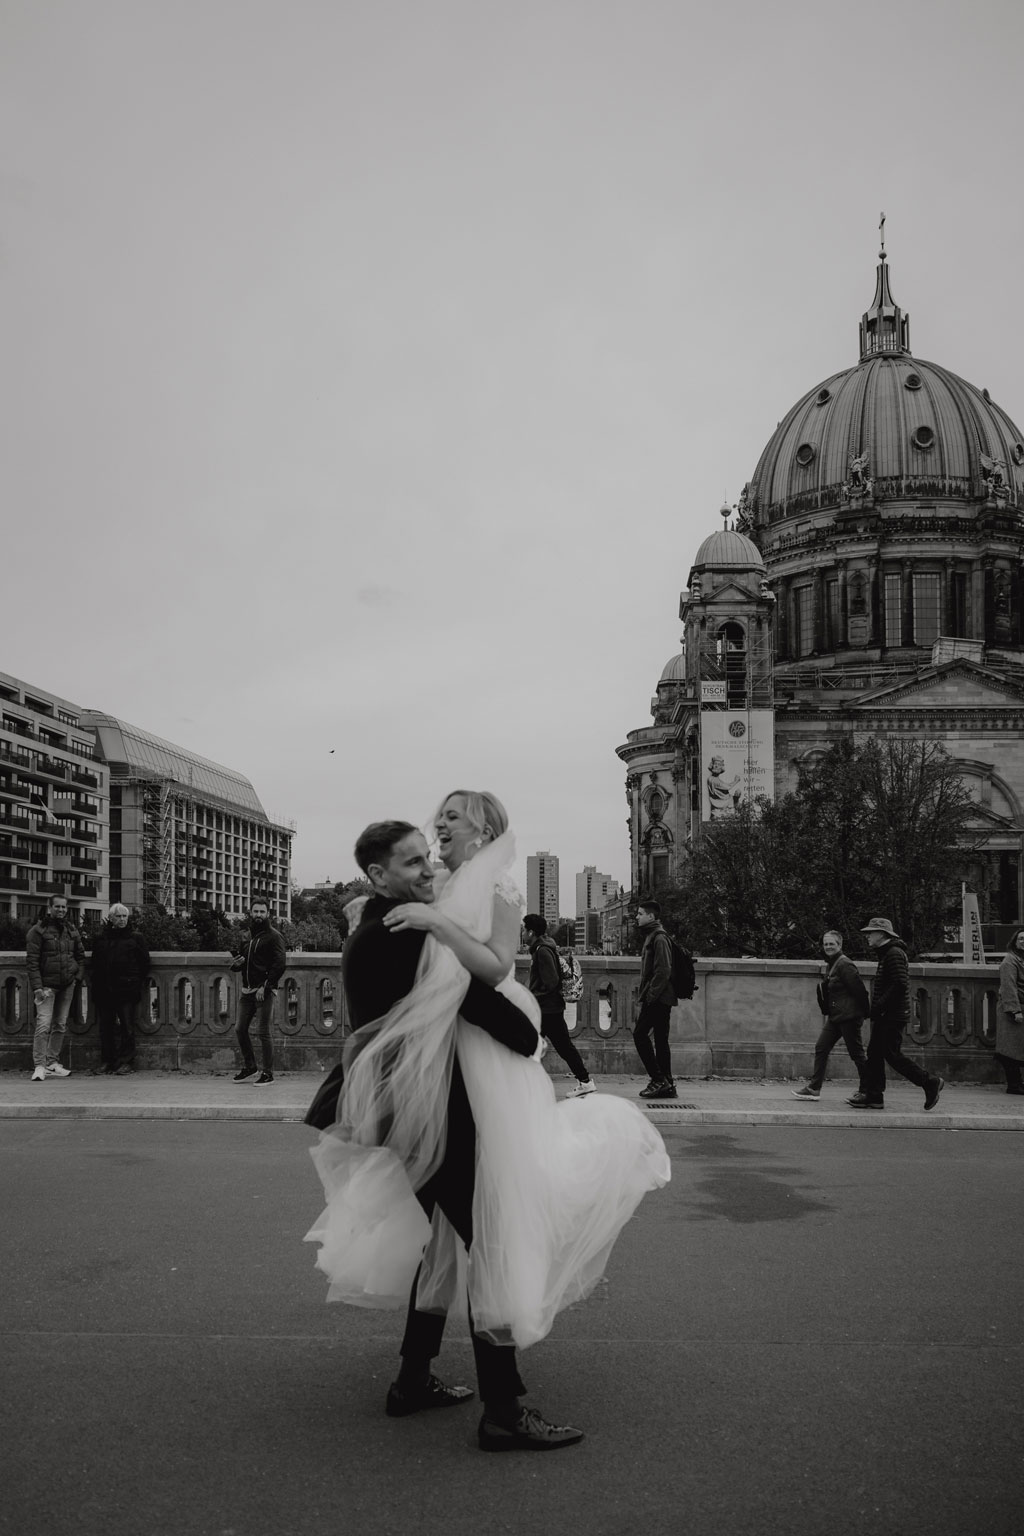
[1010, 1019]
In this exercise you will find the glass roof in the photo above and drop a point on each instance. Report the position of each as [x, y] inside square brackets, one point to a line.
[124, 744]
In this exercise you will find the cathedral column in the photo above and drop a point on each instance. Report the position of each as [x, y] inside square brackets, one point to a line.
[977, 620]
[843, 638]
[818, 613]
[874, 602]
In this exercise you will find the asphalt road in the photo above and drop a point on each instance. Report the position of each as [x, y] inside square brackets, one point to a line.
[812, 1330]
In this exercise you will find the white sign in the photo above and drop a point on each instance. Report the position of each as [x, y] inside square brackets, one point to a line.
[737, 759]
[712, 693]
[974, 948]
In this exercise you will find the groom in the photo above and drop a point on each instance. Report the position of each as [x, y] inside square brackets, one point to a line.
[379, 968]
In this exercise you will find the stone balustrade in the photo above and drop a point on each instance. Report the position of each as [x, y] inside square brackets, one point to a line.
[748, 1019]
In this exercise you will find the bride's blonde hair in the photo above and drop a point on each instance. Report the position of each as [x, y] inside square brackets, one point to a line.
[483, 811]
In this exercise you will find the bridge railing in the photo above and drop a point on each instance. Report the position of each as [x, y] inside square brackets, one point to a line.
[748, 1018]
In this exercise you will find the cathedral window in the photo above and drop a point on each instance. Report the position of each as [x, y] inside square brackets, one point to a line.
[927, 625]
[958, 617]
[893, 611]
[804, 620]
[832, 617]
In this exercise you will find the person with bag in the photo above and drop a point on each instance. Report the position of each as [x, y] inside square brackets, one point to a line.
[657, 998]
[546, 985]
[844, 1003]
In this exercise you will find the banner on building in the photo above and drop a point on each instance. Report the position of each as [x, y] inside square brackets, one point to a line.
[737, 759]
[712, 692]
[974, 948]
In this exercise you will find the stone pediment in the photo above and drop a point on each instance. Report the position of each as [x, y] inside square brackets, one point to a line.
[729, 592]
[955, 685]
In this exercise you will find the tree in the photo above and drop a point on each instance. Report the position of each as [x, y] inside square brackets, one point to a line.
[879, 828]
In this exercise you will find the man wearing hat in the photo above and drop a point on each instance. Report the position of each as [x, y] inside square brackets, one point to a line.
[890, 1015]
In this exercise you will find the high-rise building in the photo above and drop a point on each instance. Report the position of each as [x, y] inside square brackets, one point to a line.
[542, 886]
[185, 830]
[94, 809]
[53, 806]
[593, 890]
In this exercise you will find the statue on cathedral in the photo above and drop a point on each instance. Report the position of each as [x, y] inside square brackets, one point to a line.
[994, 476]
[858, 485]
[744, 512]
[695, 588]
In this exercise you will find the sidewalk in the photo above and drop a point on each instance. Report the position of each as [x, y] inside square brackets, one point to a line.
[204, 1096]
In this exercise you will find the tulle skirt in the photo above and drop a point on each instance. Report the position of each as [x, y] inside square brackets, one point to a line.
[555, 1184]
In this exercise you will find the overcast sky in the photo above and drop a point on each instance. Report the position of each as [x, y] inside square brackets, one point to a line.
[370, 370]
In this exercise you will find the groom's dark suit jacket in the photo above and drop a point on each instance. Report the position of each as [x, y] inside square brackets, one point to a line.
[379, 967]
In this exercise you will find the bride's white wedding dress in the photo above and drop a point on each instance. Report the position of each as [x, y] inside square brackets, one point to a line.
[555, 1181]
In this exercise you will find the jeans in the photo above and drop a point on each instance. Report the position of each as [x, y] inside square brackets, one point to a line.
[833, 1030]
[247, 1007]
[653, 1020]
[117, 1017]
[885, 1046]
[52, 1011]
[554, 1028]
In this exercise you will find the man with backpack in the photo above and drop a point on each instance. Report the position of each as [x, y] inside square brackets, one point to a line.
[546, 986]
[657, 997]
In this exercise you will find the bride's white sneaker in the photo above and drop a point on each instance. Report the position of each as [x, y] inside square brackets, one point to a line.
[581, 1089]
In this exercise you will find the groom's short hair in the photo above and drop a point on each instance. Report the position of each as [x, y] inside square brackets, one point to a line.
[375, 844]
[534, 923]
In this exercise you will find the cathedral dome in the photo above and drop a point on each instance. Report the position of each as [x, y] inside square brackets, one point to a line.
[726, 547]
[674, 670]
[915, 430]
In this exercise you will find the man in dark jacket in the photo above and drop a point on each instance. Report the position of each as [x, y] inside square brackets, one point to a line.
[890, 1015]
[119, 969]
[378, 968]
[843, 1000]
[657, 998]
[546, 986]
[262, 964]
[56, 964]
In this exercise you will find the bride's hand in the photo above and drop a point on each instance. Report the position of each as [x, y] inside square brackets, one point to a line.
[412, 914]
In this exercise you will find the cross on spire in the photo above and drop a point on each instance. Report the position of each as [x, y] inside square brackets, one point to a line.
[881, 236]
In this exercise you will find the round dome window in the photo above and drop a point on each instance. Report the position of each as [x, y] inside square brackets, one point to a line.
[824, 396]
[805, 455]
[912, 381]
[923, 438]
[1018, 453]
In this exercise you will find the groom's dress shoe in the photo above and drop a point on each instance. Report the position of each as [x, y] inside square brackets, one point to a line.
[431, 1394]
[528, 1433]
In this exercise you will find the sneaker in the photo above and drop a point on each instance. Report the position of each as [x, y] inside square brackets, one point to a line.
[931, 1093]
[807, 1092]
[581, 1089]
[861, 1101]
[264, 1077]
[56, 1070]
[240, 1077]
[653, 1089]
[39, 1075]
[666, 1090]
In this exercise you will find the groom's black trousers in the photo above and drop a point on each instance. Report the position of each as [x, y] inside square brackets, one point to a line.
[451, 1188]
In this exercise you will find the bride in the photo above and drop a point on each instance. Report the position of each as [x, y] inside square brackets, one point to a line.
[555, 1181]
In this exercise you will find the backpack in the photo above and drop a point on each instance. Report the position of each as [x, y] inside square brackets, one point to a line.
[684, 975]
[572, 978]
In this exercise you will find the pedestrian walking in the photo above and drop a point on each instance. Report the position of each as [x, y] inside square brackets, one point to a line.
[890, 1015]
[56, 964]
[1010, 1016]
[546, 986]
[843, 1000]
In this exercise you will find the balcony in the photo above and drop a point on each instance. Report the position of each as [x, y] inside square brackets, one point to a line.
[16, 755]
[50, 887]
[9, 817]
[50, 768]
[72, 834]
[14, 883]
[82, 861]
[86, 807]
[14, 790]
[80, 776]
[17, 727]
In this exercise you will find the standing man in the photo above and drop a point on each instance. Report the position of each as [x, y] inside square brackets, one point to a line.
[56, 963]
[657, 998]
[119, 968]
[843, 1000]
[890, 1015]
[262, 966]
[546, 986]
